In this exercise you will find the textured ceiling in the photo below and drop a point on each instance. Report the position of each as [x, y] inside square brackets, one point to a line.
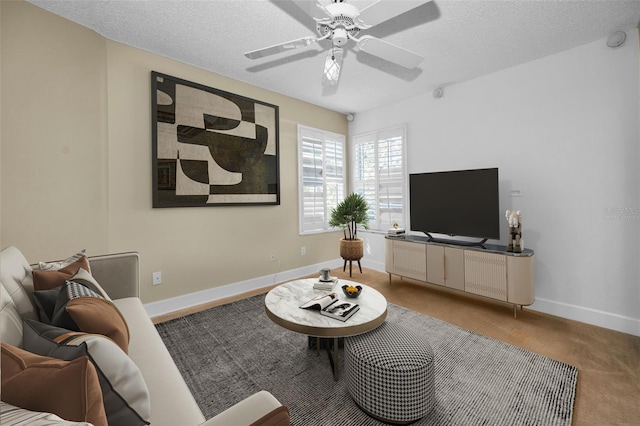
[460, 40]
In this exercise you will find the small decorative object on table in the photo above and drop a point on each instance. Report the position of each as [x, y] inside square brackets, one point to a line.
[325, 274]
[352, 291]
[516, 242]
[396, 231]
[325, 282]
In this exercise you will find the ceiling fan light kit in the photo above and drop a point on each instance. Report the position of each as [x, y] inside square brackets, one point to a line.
[343, 22]
[332, 65]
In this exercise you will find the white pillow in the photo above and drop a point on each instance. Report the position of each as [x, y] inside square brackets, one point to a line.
[54, 266]
[11, 415]
[124, 391]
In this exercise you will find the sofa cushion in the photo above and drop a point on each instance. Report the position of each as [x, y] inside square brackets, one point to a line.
[15, 295]
[80, 308]
[45, 280]
[10, 415]
[69, 389]
[125, 393]
[10, 319]
[166, 385]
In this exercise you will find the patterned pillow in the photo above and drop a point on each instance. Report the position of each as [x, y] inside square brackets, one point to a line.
[124, 391]
[46, 299]
[46, 280]
[69, 389]
[85, 278]
[11, 415]
[54, 266]
[80, 308]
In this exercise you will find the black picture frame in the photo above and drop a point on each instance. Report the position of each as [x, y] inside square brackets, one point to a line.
[211, 147]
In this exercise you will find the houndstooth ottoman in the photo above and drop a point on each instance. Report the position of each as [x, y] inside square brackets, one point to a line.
[389, 373]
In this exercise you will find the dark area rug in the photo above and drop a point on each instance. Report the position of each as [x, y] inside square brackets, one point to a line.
[229, 352]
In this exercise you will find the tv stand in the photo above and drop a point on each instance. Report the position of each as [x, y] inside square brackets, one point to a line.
[456, 242]
[487, 270]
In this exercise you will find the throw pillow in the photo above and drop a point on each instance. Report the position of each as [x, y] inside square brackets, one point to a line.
[46, 280]
[80, 308]
[46, 299]
[54, 266]
[69, 389]
[11, 415]
[125, 393]
[86, 279]
[46, 302]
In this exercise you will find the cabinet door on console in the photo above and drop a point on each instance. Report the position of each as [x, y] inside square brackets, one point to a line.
[445, 266]
[435, 264]
[520, 280]
[388, 257]
[485, 274]
[410, 260]
[454, 268]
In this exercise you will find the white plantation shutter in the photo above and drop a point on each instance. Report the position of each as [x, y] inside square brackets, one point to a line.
[379, 175]
[321, 174]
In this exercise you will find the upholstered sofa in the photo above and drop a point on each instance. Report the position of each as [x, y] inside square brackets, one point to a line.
[154, 385]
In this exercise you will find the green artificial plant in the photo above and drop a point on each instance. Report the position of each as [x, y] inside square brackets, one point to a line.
[348, 214]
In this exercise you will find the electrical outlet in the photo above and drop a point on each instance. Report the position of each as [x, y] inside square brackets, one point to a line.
[303, 251]
[273, 258]
[157, 278]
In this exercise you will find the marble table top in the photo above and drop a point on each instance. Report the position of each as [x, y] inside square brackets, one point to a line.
[282, 305]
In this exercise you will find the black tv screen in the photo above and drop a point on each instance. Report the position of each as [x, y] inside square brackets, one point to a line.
[456, 203]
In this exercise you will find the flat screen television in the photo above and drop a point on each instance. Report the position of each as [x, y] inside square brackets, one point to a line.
[456, 203]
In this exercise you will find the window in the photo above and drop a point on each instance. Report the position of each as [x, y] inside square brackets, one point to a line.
[378, 170]
[321, 177]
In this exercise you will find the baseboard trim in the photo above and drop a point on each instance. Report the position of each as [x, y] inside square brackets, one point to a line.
[565, 310]
[588, 315]
[186, 301]
[591, 316]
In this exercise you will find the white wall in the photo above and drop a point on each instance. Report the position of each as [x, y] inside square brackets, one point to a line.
[565, 131]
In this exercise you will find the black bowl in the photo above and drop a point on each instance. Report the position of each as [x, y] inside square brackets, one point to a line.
[354, 294]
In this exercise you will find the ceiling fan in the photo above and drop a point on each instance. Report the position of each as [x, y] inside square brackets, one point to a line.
[340, 22]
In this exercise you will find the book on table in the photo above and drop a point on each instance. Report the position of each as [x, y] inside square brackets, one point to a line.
[325, 285]
[329, 305]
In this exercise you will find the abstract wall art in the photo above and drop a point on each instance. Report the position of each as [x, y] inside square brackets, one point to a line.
[211, 147]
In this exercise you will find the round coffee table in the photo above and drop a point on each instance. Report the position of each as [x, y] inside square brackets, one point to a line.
[282, 305]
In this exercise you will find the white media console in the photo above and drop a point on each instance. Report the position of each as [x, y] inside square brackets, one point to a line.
[486, 270]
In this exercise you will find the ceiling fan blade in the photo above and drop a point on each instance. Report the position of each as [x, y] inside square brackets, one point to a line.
[390, 52]
[311, 8]
[282, 47]
[382, 10]
[332, 67]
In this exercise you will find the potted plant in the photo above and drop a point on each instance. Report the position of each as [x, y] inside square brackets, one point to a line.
[348, 214]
